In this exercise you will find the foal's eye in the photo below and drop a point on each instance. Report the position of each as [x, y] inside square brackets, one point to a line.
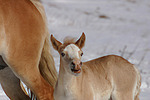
[81, 54]
[62, 54]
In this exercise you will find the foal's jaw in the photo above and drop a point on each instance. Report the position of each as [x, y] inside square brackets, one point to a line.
[76, 67]
[76, 71]
[71, 66]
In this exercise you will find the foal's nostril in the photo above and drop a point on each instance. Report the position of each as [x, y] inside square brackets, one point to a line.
[80, 63]
[73, 64]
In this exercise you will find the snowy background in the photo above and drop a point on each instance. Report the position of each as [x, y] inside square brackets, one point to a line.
[120, 27]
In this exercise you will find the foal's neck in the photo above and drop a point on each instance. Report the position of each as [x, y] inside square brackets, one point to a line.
[64, 76]
[66, 81]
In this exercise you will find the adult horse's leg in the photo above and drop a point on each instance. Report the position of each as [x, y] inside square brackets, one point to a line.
[10, 83]
[24, 61]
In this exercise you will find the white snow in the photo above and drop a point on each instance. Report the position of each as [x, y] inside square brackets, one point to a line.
[120, 27]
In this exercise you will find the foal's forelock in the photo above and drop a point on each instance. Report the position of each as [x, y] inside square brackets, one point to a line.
[73, 51]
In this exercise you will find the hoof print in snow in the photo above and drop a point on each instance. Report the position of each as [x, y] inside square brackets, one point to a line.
[103, 16]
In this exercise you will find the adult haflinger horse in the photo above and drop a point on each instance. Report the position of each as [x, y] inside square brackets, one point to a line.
[106, 78]
[24, 47]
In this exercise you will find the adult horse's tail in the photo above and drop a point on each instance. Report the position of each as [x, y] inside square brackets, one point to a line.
[47, 65]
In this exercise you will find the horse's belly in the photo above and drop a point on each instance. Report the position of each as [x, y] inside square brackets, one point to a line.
[64, 98]
[98, 93]
[90, 97]
[87, 95]
[101, 97]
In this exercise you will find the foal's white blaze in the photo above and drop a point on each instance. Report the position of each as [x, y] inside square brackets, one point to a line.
[73, 51]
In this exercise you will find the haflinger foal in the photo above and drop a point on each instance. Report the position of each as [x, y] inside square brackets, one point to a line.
[106, 78]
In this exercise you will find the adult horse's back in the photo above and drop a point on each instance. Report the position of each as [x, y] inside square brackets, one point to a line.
[24, 45]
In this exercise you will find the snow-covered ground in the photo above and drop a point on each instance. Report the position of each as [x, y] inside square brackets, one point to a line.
[120, 27]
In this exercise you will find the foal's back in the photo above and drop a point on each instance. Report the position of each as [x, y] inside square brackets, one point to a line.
[112, 76]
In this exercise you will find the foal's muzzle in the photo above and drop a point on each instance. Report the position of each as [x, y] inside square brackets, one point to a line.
[76, 67]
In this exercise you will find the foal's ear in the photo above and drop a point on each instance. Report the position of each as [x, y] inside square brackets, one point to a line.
[55, 43]
[81, 41]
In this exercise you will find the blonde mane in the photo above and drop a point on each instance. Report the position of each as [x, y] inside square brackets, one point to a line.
[49, 73]
[69, 40]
